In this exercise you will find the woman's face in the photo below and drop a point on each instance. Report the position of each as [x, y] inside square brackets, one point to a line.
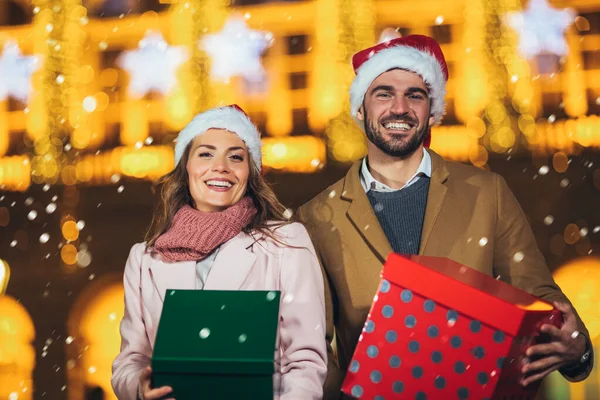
[218, 168]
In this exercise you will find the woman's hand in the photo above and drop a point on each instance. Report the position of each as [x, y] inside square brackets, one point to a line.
[146, 392]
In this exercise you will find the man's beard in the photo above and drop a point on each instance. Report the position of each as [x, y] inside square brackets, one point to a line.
[394, 147]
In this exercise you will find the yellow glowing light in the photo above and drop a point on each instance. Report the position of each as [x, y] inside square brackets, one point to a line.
[109, 77]
[17, 358]
[68, 254]
[294, 154]
[571, 233]
[69, 175]
[98, 330]
[573, 77]
[560, 162]
[15, 173]
[4, 276]
[580, 281]
[86, 74]
[70, 230]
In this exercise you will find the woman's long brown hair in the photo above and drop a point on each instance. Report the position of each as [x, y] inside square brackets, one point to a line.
[174, 193]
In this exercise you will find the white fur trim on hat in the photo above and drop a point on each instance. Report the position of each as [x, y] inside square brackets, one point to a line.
[403, 57]
[228, 118]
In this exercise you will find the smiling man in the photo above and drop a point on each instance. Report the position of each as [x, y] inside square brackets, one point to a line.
[403, 197]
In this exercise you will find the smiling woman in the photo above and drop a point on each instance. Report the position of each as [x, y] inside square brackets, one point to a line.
[214, 210]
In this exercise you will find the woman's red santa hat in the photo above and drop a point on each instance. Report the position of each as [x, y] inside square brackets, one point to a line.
[416, 53]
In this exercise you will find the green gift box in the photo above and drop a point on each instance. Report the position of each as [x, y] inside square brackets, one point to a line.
[214, 344]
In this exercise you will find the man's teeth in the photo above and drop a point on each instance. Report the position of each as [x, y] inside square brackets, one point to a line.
[218, 183]
[397, 126]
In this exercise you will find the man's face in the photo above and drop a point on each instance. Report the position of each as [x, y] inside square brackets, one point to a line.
[396, 112]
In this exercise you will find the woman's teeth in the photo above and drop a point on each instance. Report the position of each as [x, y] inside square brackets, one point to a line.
[219, 184]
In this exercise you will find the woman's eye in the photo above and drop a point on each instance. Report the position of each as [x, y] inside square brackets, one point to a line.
[237, 157]
[205, 154]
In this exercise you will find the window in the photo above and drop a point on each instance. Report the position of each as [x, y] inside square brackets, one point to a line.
[298, 80]
[297, 44]
[551, 105]
[450, 116]
[442, 34]
[260, 120]
[300, 121]
[593, 98]
[591, 60]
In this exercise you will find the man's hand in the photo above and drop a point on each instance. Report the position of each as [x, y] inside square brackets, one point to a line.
[566, 348]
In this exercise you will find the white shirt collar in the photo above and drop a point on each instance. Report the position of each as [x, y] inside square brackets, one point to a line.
[369, 183]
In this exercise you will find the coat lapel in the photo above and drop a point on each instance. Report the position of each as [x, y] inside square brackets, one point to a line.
[232, 264]
[361, 213]
[172, 275]
[435, 198]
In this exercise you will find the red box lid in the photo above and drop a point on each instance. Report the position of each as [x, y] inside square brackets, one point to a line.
[464, 289]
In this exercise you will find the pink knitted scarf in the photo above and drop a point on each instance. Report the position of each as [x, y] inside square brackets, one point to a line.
[195, 234]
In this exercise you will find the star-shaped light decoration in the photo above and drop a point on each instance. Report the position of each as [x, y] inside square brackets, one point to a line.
[236, 51]
[541, 28]
[15, 72]
[153, 65]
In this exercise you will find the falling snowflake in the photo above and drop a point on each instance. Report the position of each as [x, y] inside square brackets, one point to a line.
[50, 208]
[483, 241]
[32, 215]
[543, 170]
[541, 28]
[44, 237]
[518, 257]
[548, 220]
[15, 72]
[236, 51]
[153, 65]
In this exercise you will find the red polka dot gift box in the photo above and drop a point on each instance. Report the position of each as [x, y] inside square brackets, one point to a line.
[440, 330]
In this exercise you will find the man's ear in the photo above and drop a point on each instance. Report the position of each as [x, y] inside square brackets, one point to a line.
[360, 113]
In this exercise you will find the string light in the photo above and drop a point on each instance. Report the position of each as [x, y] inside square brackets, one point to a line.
[356, 31]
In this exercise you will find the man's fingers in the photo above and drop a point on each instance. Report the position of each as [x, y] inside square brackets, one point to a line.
[541, 364]
[554, 332]
[538, 376]
[567, 310]
[543, 349]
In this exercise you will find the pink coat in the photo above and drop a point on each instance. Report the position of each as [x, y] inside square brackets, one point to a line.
[241, 264]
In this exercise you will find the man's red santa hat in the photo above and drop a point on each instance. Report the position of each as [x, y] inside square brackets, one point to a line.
[416, 53]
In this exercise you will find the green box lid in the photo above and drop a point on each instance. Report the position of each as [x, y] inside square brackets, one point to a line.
[217, 332]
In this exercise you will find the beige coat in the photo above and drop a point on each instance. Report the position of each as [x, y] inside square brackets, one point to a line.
[464, 205]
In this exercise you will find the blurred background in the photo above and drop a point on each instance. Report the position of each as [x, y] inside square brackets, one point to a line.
[93, 92]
